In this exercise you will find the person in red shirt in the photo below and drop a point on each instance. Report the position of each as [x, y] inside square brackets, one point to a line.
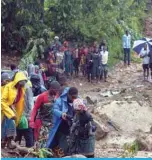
[65, 46]
[85, 50]
[42, 111]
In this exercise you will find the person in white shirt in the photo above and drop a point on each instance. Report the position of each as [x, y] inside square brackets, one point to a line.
[104, 66]
[144, 54]
[126, 40]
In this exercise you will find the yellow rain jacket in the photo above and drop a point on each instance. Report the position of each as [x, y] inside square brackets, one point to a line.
[2, 114]
[9, 96]
[29, 83]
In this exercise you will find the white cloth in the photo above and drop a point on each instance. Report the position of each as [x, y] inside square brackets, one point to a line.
[144, 55]
[104, 55]
[78, 104]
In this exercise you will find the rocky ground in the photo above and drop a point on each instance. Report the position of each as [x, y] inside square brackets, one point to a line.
[122, 109]
[125, 101]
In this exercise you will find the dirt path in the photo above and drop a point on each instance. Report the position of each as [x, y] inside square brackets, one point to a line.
[127, 101]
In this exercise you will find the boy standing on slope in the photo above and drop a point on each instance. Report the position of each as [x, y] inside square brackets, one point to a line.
[104, 61]
[144, 55]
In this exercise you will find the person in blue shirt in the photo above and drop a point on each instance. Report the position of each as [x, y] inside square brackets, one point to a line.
[68, 62]
[62, 110]
[126, 40]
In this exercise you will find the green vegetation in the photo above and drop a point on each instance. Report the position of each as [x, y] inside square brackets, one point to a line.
[28, 26]
[130, 150]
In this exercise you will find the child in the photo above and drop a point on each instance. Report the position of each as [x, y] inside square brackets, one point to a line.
[144, 55]
[104, 61]
[82, 64]
[89, 64]
[82, 131]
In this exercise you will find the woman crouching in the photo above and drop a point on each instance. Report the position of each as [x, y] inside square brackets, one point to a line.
[82, 132]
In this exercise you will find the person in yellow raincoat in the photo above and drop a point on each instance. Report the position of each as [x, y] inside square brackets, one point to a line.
[13, 97]
[8, 129]
[23, 129]
[12, 100]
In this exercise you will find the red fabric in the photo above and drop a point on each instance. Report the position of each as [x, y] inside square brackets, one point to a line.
[44, 76]
[42, 98]
[51, 69]
[85, 50]
[65, 44]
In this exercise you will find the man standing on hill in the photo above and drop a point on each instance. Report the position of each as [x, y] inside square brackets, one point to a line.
[150, 61]
[126, 40]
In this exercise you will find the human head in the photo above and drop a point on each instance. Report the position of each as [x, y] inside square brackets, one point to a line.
[5, 78]
[21, 84]
[65, 43]
[96, 50]
[13, 67]
[62, 80]
[19, 80]
[56, 38]
[54, 88]
[72, 94]
[104, 48]
[37, 62]
[35, 79]
[127, 32]
[36, 69]
[79, 105]
[30, 69]
[41, 65]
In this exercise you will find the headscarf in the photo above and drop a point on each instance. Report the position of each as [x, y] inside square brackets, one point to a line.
[35, 79]
[78, 104]
[37, 68]
[36, 85]
[31, 69]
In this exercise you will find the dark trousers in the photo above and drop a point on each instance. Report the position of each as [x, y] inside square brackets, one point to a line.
[127, 56]
[28, 135]
[76, 66]
[104, 71]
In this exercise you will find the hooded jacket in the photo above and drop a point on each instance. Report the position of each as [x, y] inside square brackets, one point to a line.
[59, 107]
[9, 96]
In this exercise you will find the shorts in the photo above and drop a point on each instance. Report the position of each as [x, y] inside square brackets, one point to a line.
[145, 66]
[150, 66]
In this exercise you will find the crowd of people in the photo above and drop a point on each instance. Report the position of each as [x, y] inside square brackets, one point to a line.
[45, 111]
[145, 53]
[38, 104]
[89, 60]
